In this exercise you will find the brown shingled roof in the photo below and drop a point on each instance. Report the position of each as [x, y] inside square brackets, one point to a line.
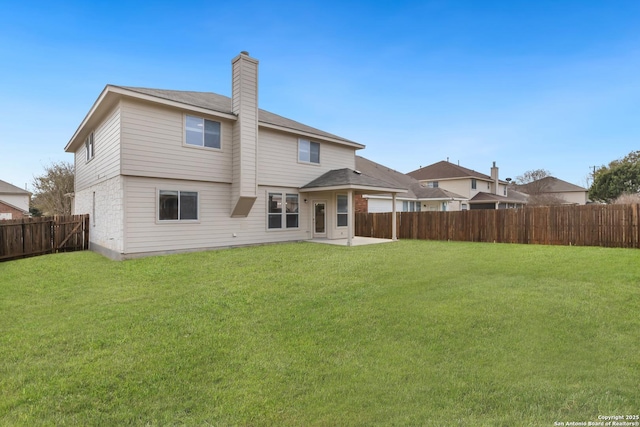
[350, 177]
[6, 188]
[552, 184]
[415, 190]
[489, 197]
[445, 170]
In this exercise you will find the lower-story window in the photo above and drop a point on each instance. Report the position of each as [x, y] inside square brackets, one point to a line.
[408, 206]
[283, 211]
[343, 210]
[177, 205]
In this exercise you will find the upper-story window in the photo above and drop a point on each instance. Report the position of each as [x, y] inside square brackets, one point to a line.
[202, 132]
[308, 151]
[474, 183]
[89, 146]
[432, 184]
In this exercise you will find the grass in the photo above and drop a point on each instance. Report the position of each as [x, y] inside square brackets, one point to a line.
[411, 333]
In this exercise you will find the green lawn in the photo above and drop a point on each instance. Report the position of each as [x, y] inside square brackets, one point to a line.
[409, 333]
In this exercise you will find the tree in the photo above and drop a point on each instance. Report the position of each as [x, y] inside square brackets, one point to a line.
[534, 184]
[548, 199]
[34, 211]
[531, 181]
[620, 177]
[627, 199]
[52, 190]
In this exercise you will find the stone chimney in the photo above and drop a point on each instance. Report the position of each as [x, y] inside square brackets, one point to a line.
[245, 134]
[495, 186]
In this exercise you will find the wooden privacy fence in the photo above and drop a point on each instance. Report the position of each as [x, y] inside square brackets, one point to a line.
[20, 238]
[589, 225]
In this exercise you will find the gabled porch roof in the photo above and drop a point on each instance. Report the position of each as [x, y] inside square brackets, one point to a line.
[349, 179]
[352, 182]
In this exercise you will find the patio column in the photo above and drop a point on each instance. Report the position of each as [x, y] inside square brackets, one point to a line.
[393, 218]
[350, 219]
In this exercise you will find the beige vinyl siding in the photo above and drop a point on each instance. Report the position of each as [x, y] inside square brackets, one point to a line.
[153, 146]
[106, 161]
[575, 197]
[436, 205]
[214, 228]
[278, 159]
[245, 137]
[244, 161]
[462, 186]
[330, 197]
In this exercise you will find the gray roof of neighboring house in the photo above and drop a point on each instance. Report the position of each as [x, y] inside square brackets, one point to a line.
[517, 195]
[223, 104]
[416, 191]
[551, 184]
[489, 197]
[6, 188]
[446, 170]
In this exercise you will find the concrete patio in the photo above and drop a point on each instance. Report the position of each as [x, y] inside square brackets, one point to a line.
[356, 241]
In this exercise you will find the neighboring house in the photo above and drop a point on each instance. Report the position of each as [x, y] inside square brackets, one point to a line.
[562, 191]
[478, 190]
[417, 198]
[163, 171]
[14, 201]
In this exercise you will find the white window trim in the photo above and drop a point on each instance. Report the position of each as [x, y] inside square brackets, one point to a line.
[90, 141]
[410, 206]
[176, 221]
[202, 147]
[342, 213]
[283, 214]
[309, 162]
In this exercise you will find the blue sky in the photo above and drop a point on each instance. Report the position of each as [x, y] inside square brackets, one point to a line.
[545, 84]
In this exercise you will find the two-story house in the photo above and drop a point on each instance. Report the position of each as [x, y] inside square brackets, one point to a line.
[479, 191]
[162, 171]
[14, 201]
